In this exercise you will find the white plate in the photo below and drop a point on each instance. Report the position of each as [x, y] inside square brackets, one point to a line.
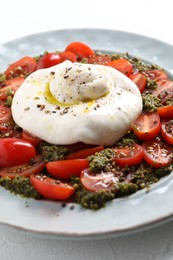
[121, 216]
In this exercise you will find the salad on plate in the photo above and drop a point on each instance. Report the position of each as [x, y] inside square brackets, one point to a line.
[84, 126]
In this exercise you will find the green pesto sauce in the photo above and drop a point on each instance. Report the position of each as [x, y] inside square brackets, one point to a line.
[52, 152]
[20, 186]
[150, 102]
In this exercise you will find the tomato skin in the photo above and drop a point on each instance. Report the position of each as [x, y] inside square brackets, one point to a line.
[164, 90]
[65, 169]
[157, 153]
[68, 55]
[83, 154]
[155, 74]
[99, 59]
[167, 131]
[6, 121]
[35, 166]
[35, 141]
[10, 85]
[22, 67]
[101, 181]
[165, 111]
[140, 80]
[15, 151]
[48, 60]
[80, 49]
[122, 65]
[132, 155]
[50, 188]
[147, 125]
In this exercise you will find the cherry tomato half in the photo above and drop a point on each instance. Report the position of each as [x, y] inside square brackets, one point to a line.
[164, 90]
[80, 49]
[101, 181]
[140, 80]
[165, 112]
[6, 121]
[147, 125]
[128, 155]
[50, 188]
[122, 65]
[83, 154]
[99, 59]
[10, 86]
[167, 130]
[155, 74]
[15, 151]
[22, 68]
[48, 60]
[30, 138]
[36, 165]
[157, 153]
[67, 55]
[65, 169]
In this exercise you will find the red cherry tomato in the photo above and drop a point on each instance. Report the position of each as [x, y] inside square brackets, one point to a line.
[164, 90]
[83, 154]
[167, 130]
[50, 188]
[15, 151]
[165, 112]
[30, 138]
[147, 125]
[21, 68]
[122, 65]
[140, 80]
[80, 49]
[6, 121]
[155, 74]
[36, 165]
[65, 169]
[48, 60]
[68, 55]
[128, 155]
[101, 181]
[10, 86]
[157, 153]
[99, 59]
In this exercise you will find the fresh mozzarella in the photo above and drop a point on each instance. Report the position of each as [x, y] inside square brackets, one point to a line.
[74, 102]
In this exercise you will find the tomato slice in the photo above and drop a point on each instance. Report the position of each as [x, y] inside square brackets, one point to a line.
[9, 87]
[48, 60]
[21, 68]
[36, 165]
[6, 121]
[167, 130]
[140, 80]
[30, 138]
[155, 74]
[165, 112]
[122, 65]
[99, 59]
[102, 181]
[15, 151]
[83, 154]
[80, 49]
[131, 155]
[157, 153]
[65, 169]
[164, 90]
[68, 55]
[50, 188]
[147, 125]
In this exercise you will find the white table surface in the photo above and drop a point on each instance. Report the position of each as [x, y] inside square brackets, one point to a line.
[148, 17]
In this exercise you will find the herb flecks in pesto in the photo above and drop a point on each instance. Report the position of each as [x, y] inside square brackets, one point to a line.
[150, 102]
[52, 152]
[20, 186]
